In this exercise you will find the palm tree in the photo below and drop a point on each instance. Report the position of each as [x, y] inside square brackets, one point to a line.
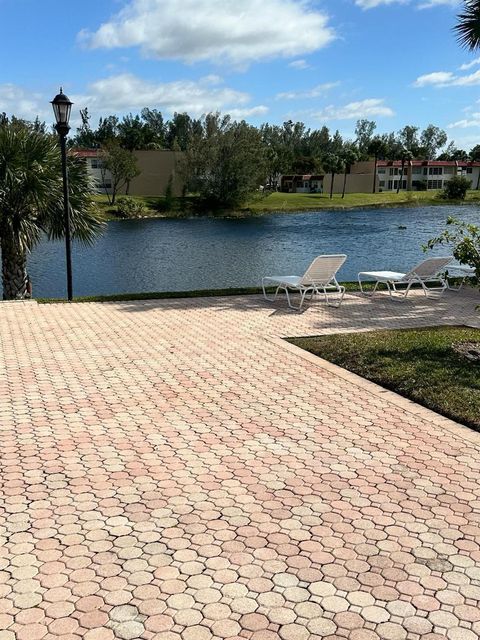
[332, 164]
[31, 199]
[406, 157]
[350, 155]
[376, 148]
[468, 25]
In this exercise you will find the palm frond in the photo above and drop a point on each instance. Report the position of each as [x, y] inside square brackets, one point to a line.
[467, 28]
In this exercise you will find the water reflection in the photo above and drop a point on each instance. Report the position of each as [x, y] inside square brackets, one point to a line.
[170, 255]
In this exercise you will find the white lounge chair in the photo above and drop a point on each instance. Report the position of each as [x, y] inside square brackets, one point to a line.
[320, 277]
[429, 271]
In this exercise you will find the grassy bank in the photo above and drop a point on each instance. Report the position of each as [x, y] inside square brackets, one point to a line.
[155, 207]
[196, 293]
[420, 364]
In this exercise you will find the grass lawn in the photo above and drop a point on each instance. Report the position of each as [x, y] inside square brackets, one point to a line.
[287, 202]
[305, 201]
[420, 364]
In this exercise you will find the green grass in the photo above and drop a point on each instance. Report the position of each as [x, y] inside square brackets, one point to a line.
[419, 364]
[195, 293]
[314, 201]
[288, 202]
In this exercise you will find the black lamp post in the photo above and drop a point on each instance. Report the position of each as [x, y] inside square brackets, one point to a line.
[62, 108]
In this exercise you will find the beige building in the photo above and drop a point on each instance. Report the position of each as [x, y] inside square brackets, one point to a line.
[359, 180]
[157, 169]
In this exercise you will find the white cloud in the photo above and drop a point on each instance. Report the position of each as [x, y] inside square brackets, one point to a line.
[239, 114]
[437, 78]
[472, 121]
[124, 92]
[418, 4]
[299, 64]
[22, 103]
[315, 92]
[469, 65]
[119, 94]
[215, 30]
[355, 110]
[447, 79]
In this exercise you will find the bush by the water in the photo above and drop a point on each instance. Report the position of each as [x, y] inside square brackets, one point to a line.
[456, 188]
[130, 208]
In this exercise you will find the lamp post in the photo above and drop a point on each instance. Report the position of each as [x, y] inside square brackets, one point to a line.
[62, 108]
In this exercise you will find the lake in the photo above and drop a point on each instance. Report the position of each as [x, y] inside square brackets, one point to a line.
[176, 255]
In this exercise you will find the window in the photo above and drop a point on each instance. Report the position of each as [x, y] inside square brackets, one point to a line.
[469, 169]
[381, 171]
[425, 171]
[417, 170]
[435, 171]
[390, 172]
[106, 185]
[381, 183]
[390, 185]
[448, 170]
[96, 163]
[434, 184]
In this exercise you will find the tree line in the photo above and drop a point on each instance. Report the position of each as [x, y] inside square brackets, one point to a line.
[224, 160]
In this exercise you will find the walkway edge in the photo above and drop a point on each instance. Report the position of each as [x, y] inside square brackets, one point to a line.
[409, 406]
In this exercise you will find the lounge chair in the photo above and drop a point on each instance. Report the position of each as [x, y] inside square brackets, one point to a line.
[320, 277]
[429, 271]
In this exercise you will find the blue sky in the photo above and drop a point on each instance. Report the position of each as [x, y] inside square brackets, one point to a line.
[321, 61]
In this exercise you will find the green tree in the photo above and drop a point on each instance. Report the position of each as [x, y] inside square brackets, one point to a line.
[107, 130]
[179, 130]
[349, 156]
[408, 139]
[364, 131]
[377, 148]
[468, 25]
[122, 166]
[154, 128]
[132, 133]
[432, 139]
[31, 199]
[225, 162]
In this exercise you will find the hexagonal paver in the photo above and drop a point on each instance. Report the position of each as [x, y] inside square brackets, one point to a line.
[173, 469]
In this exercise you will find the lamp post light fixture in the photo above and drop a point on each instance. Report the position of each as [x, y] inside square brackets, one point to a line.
[62, 108]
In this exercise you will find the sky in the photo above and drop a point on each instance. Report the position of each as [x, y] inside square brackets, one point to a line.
[324, 62]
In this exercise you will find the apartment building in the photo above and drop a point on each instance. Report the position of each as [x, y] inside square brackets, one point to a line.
[424, 174]
[157, 168]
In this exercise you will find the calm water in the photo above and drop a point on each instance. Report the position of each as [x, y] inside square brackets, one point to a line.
[174, 255]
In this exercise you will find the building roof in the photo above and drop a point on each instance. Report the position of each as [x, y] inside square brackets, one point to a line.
[428, 163]
[85, 153]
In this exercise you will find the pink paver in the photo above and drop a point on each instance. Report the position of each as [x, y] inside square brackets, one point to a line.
[174, 469]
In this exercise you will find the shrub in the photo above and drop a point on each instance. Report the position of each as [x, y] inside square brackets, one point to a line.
[456, 188]
[464, 239]
[130, 208]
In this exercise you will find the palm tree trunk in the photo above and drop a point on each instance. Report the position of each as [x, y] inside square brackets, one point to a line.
[344, 183]
[375, 176]
[401, 178]
[478, 180]
[331, 186]
[14, 269]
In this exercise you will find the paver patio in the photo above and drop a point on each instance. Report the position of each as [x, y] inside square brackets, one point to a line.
[173, 470]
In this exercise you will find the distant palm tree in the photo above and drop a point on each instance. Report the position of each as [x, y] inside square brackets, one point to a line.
[468, 25]
[376, 148]
[332, 164]
[31, 199]
[349, 155]
[406, 157]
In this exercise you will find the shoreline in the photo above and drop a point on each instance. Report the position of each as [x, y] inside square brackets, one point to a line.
[323, 205]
